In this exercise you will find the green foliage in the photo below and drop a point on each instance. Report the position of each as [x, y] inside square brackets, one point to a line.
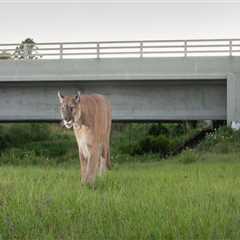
[153, 144]
[36, 144]
[157, 138]
[158, 129]
[4, 55]
[49, 144]
[15, 135]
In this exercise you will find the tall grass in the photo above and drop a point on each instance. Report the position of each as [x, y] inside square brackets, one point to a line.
[166, 200]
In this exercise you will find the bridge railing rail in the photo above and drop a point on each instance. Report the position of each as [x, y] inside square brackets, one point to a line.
[117, 49]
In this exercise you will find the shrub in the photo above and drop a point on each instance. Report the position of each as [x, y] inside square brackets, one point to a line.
[36, 144]
[14, 135]
[157, 138]
[158, 129]
[178, 129]
[223, 140]
[153, 144]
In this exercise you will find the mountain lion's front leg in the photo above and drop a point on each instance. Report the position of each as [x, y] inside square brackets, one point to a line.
[83, 166]
[92, 164]
[84, 140]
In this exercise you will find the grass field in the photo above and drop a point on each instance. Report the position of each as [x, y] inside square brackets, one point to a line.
[194, 195]
[163, 200]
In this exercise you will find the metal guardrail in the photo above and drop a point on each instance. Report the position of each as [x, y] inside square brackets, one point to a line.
[113, 49]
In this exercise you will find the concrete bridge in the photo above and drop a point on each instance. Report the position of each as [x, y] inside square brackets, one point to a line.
[145, 80]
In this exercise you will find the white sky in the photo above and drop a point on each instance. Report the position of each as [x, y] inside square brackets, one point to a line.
[102, 20]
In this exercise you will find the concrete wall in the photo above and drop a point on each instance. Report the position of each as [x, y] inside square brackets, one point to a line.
[139, 88]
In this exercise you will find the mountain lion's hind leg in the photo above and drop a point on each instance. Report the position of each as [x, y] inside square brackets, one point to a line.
[102, 160]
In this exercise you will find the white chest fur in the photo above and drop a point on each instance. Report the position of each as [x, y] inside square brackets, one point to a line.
[84, 140]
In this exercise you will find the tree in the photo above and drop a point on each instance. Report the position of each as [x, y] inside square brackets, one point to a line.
[26, 50]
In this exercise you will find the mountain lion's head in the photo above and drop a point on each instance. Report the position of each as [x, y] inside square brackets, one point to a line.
[69, 109]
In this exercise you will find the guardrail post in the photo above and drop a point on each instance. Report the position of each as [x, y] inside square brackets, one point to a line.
[25, 50]
[61, 51]
[141, 49]
[185, 48]
[230, 48]
[98, 50]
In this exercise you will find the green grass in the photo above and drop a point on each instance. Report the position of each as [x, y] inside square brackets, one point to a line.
[164, 200]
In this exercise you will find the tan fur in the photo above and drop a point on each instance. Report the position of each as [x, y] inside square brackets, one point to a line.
[91, 119]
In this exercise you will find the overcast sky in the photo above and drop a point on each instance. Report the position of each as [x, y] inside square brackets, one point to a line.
[102, 20]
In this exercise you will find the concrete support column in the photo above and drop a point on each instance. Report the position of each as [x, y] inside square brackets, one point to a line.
[233, 97]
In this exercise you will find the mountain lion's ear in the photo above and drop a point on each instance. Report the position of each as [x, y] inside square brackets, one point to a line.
[60, 97]
[77, 97]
